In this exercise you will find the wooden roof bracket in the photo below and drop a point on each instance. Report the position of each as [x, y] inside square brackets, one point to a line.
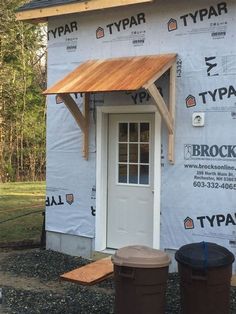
[82, 119]
[167, 112]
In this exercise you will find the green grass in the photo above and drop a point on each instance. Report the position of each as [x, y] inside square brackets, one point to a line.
[17, 199]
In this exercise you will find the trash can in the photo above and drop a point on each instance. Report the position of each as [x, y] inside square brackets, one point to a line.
[140, 275]
[205, 271]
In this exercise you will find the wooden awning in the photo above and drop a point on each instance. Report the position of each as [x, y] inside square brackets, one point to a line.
[121, 74]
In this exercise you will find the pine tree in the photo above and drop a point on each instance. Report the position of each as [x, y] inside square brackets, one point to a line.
[22, 107]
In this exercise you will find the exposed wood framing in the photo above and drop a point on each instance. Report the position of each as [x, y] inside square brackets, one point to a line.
[41, 14]
[172, 106]
[82, 119]
[160, 103]
[86, 133]
[167, 112]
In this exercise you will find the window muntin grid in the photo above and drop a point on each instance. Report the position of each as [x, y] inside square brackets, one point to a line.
[134, 153]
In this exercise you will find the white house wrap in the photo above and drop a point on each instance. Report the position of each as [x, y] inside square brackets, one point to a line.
[198, 191]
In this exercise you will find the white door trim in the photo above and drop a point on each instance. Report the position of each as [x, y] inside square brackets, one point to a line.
[101, 171]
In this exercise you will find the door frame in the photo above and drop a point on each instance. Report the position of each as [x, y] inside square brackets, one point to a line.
[102, 170]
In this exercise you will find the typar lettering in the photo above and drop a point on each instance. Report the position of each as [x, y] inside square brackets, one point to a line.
[126, 23]
[203, 14]
[62, 30]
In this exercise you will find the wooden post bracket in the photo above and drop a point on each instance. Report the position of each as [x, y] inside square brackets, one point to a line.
[82, 119]
[167, 112]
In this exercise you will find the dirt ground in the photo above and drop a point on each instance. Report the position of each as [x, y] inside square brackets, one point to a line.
[31, 285]
[7, 279]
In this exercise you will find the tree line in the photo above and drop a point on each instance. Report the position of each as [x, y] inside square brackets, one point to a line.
[22, 106]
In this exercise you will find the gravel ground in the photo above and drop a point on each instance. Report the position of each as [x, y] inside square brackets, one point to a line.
[30, 285]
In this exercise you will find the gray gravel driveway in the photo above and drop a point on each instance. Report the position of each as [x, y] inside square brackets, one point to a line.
[30, 283]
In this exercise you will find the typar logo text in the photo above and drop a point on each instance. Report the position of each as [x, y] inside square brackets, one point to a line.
[70, 198]
[202, 151]
[188, 223]
[62, 30]
[58, 99]
[100, 33]
[190, 101]
[58, 200]
[121, 25]
[217, 220]
[198, 16]
[172, 25]
[211, 96]
[211, 66]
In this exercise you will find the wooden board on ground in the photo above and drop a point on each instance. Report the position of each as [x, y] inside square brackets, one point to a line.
[91, 273]
[233, 281]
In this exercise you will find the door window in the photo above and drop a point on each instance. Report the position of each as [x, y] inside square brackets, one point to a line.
[133, 153]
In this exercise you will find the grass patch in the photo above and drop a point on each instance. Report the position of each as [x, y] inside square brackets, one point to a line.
[18, 199]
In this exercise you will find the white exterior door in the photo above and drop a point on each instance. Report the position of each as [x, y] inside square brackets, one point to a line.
[130, 180]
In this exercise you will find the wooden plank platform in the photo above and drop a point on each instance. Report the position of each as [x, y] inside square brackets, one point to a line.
[91, 273]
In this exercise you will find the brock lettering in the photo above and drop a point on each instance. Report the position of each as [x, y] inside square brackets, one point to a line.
[126, 23]
[224, 151]
[62, 30]
[206, 13]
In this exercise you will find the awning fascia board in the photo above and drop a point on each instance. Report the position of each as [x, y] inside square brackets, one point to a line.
[39, 15]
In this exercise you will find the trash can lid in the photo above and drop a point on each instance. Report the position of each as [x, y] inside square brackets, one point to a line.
[141, 257]
[204, 255]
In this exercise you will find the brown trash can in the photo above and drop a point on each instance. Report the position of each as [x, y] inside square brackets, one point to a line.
[205, 271]
[140, 275]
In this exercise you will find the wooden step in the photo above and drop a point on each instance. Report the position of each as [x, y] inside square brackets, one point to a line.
[91, 273]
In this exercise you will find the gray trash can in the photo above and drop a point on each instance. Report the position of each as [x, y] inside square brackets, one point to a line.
[205, 271]
[140, 275]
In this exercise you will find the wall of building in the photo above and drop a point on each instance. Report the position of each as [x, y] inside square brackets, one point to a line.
[198, 193]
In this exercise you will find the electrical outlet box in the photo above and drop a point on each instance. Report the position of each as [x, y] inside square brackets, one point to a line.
[198, 119]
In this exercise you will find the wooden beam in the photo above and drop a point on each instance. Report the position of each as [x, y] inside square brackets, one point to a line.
[81, 119]
[75, 111]
[86, 132]
[172, 105]
[75, 7]
[161, 106]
